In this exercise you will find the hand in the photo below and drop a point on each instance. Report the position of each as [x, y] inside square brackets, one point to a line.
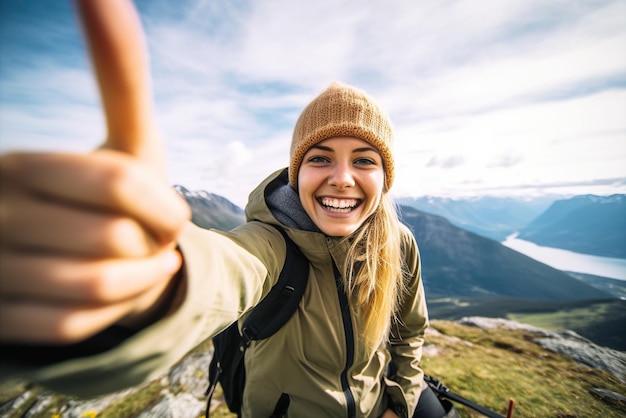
[89, 240]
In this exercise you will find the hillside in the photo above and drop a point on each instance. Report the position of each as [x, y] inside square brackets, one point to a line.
[487, 361]
[491, 217]
[456, 262]
[586, 224]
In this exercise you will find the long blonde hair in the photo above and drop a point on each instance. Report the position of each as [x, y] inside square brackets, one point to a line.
[374, 271]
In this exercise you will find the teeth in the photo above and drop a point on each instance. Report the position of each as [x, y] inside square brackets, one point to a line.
[339, 204]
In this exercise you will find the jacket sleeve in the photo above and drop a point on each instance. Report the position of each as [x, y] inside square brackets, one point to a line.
[221, 281]
[407, 336]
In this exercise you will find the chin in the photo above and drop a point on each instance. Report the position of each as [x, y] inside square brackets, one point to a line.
[342, 231]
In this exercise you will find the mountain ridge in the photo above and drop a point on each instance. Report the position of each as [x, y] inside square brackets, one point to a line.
[587, 224]
[491, 217]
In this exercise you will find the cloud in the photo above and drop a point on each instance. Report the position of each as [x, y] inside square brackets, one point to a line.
[507, 160]
[446, 162]
[485, 96]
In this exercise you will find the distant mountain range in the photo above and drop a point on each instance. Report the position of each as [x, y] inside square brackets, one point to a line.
[585, 224]
[455, 262]
[491, 217]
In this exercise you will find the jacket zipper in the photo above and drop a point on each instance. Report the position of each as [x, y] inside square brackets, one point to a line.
[349, 334]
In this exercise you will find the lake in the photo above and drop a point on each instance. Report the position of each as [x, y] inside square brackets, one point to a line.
[614, 268]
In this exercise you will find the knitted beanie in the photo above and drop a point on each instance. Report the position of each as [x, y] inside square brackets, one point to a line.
[342, 110]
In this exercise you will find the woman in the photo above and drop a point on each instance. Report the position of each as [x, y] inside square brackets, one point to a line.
[105, 284]
[333, 201]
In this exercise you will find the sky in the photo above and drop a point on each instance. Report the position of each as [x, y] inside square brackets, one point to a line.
[487, 97]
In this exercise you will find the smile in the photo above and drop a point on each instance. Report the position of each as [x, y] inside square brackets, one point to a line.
[339, 205]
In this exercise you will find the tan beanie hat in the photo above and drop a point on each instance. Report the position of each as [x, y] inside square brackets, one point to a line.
[342, 111]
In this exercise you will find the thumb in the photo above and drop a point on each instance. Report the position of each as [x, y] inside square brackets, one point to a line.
[120, 60]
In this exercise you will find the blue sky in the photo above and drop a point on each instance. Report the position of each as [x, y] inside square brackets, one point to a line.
[488, 97]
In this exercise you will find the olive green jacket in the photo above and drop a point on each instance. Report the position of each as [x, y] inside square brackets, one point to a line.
[317, 358]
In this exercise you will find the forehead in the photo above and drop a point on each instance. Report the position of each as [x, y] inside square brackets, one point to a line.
[349, 143]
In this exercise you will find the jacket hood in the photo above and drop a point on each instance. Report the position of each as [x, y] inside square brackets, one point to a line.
[276, 202]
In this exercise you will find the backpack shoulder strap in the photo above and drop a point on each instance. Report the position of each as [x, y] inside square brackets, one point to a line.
[281, 302]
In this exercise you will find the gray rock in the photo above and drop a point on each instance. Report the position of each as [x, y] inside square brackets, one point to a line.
[183, 405]
[191, 374]
[566, 342]
[585, 352]
[609, 396]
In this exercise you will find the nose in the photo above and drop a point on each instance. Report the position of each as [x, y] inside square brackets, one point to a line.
[341, 177]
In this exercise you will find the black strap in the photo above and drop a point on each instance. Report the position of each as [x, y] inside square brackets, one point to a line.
[281, 406]
[267, 317]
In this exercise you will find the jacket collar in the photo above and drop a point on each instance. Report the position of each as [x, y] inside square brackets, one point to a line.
[274, 201]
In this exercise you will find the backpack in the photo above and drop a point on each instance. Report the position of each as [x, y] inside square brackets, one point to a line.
[267, 317]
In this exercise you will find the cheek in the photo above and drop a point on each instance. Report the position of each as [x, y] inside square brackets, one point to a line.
[375, 184]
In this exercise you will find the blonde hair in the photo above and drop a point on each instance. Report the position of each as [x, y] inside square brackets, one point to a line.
[374, 271]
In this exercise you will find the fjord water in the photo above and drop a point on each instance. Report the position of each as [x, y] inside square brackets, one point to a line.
[614, 268]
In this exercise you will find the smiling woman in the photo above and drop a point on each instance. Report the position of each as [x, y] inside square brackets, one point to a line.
[131, 270]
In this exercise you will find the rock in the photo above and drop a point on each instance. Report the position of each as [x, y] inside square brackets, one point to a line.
[609, 396]
[81, 408]
[175, 406]
[191, 374]
[40, 406]
[17, 404]
[585, 352]
[566, 342]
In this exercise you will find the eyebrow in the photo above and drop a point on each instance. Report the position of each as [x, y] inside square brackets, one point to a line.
[328, 149]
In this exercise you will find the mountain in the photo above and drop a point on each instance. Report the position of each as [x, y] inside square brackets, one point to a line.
[212, 211]
[491, 217]
[457, 262]
[585, 224]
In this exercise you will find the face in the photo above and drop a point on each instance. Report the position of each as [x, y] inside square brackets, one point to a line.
[340, 184]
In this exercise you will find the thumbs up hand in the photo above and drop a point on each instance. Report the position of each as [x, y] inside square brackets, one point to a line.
[88, 241]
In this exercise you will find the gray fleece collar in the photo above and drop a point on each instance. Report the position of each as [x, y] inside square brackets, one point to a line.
[284, 203]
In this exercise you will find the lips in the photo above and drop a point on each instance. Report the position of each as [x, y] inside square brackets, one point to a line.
[339, 205]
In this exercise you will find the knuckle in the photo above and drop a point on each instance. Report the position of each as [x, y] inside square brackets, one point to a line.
[124, 236]
[117, 178]
[101, 287]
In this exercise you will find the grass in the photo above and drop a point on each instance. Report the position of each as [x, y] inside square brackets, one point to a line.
[135, 403]
[501, 364]
[563, 319]
[487, 367]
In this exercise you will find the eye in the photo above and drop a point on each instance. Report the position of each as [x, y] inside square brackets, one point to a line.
[317, 159]
[364, 161]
